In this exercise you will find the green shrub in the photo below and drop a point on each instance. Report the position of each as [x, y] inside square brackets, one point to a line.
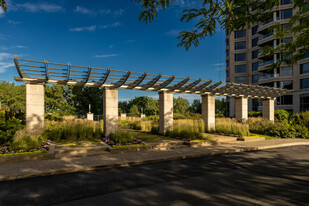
[282, 115]
[26, 140]
[219, 115]
[153, 118]
[8, 127]
[230, 126]
[184, 133]
[179, 116]
[155, 129]
[73, 129]
[255, 114]
[300, 119]
[121, 137]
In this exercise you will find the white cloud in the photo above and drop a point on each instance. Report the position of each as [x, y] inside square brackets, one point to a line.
[118, 12]
[4, 55]
[13, 22]
[86, 28]
[106, 55]
[85, 11]
[130, 41]
[173, 32]
[42, 6]
[4, 66]
[185, 3]
[113, 25]
[220, 66]
[105, 11]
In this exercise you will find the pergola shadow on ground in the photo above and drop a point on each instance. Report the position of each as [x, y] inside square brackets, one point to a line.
[38, 73]
[273, 177]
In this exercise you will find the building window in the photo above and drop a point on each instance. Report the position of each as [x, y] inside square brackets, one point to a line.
[240, 34]
[285, 2]
[227, 74]
[304, 102]
[255, 42]
[288, 39]
[241, 80]
[240, 68]
[227, 52]
[240, 45]
[286, 85]
[255, 30]
[227, 63]
[304, 68]
[304, 83]
[255, 66]
[240, 57]
[255, 78]
[286, 71]
[227, 42]
[255, 54]
[287, 13]
[285, 100]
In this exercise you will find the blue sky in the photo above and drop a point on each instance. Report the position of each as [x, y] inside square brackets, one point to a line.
[106, 34]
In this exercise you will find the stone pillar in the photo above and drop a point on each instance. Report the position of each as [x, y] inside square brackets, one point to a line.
[241, 108]
[90, 116]
[110, 110]
[165, 111]
[269, 109]
[208, 111]
[35, 106]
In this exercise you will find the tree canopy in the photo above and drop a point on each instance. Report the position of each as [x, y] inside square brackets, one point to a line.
[3, 5]
[233, 15]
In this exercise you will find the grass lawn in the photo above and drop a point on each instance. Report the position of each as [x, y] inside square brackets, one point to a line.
[147, 136]
[80, 143]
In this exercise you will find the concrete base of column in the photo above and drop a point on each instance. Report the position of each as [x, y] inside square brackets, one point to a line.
[165, 112]
[35, 106]
[241, 108]
[208, 111]
[269, 109]
[90, 116]
[110, 110]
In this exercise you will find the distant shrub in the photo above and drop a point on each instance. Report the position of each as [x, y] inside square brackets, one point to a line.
[219, 115]
[179, 116]
[121, 137]
[282, 115]
[153, 118]
[255, 114]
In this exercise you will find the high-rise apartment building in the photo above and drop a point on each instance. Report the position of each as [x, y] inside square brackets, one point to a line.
[245, 65]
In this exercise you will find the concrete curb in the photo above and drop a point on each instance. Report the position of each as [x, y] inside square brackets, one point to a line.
[157, 160]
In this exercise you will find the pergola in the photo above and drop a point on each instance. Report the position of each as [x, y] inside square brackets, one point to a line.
[37, 73]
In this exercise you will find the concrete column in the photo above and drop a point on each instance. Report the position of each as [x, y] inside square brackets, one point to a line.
[208, 111]
[110, 110]
[35, 106]
[90, 116]
[241, 108]
[165, 111]
[269, 109]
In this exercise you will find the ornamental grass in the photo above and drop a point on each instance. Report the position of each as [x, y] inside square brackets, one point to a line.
[230, 126]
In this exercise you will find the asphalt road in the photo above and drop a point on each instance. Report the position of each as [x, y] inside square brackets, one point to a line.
[270, 177]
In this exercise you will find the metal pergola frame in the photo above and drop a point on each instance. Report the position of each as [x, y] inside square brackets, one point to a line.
[67, 74]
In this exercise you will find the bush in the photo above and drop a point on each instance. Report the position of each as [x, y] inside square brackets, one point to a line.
[230, 126]
[179, 116]
[255, 114]
[27, 140]
[155, 129]
[219, 115]
[8, 128]
[121, 137]
[74, 129]
[282, 115]
[153, 118]
[187, 129]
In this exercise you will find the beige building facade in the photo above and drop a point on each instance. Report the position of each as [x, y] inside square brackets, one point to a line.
[245, 65]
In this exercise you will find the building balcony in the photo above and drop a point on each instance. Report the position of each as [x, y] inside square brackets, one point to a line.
[267, 39]
[263, 27]
[263, 65]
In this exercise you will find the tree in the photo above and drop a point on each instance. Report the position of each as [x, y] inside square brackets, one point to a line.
[220, 106]
[181, 105]
[12, 97]
[232, 15]
[3, 5]
[134, 112]
[147, 104]
[56, 101]
[196, 107]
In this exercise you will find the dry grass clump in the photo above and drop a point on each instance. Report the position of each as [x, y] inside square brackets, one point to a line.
[73, 129]
[187, 129]
[230, 126]
[26, 140]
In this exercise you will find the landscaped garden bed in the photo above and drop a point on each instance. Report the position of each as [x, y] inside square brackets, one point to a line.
[7, 150]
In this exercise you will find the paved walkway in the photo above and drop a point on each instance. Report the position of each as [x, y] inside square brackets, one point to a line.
[18, 170]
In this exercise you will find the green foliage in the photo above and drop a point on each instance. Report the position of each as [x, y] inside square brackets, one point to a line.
[12, 97]
[8, 127]
[121, 137]
[187, 129]
[254, 114]
[187, 116]
[219, 115]
[134, 112]
[74, 129]
[26, 140]
[153, 118]
[196, 107]
[220, 106]
[179, 116]
[3, 5]
[146, 105]
[229, 126]
[282, 115]
[181, 105]
[155, 129]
